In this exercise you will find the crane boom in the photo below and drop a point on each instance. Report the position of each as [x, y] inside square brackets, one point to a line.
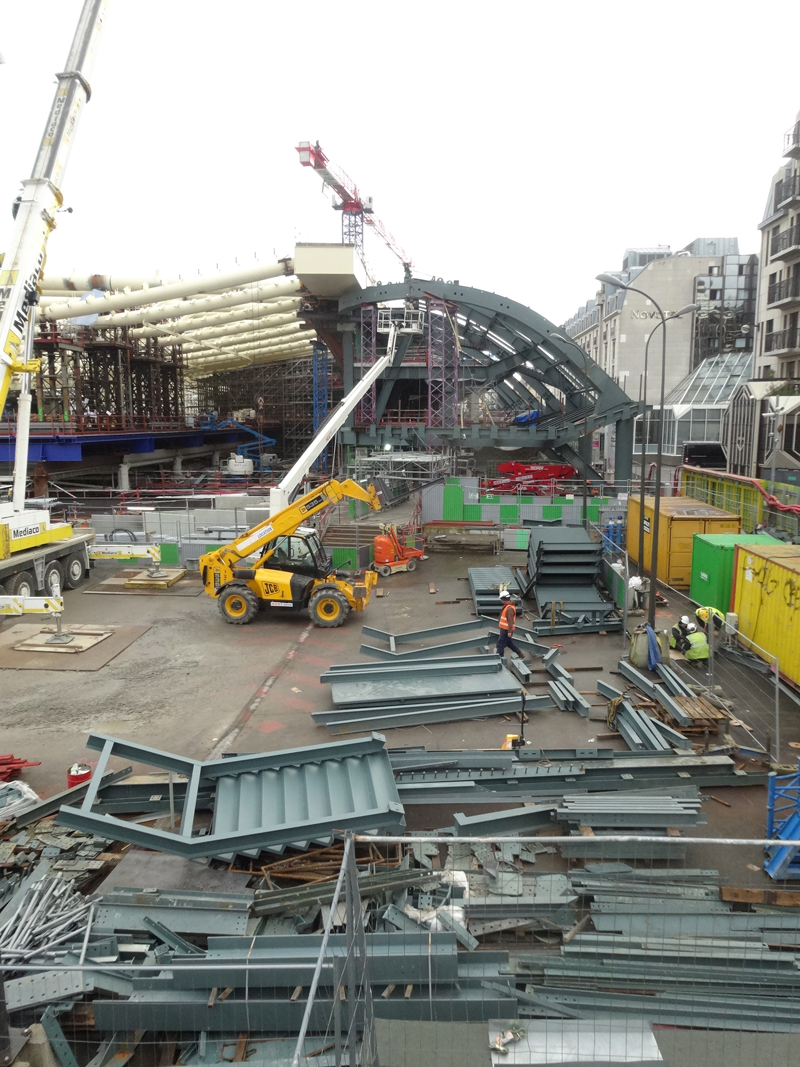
[281, 494]
[41, 198]
[352, 203]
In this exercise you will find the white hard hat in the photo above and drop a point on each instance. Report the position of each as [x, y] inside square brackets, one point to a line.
[684, 620]
[691, 627]
[504, 594]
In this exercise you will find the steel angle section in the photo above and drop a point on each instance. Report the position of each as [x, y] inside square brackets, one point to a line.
[627, 670]
[389, 816]
[188, 1011]
[672, 736]
[394, 671]
[583, 707]
[411, 716]
[559, 697]
[369, 711]
[503, 823]
[425, 689]
[131, 918]
[606, 690]
[431, 652]
[379, 669]
[455, 927]
[424, 635]
[46, 988]
[674, 682]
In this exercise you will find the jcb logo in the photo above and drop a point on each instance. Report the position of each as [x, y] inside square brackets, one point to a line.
[270, 588]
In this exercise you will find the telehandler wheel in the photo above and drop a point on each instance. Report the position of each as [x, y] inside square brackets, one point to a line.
[385, 571]
[411, 565]
[238, 605]
[328, 608]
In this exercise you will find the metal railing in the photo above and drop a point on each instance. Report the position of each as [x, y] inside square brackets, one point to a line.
[785, 239]
[787, 289]
[781, 340]
[787, 189]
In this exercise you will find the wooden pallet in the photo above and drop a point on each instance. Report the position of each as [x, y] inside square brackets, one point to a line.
[702, 712]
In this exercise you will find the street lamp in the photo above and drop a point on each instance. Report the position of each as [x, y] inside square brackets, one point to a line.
[675, 315]
[610, 279]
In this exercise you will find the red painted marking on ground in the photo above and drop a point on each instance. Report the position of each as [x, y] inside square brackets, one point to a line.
[270, 726]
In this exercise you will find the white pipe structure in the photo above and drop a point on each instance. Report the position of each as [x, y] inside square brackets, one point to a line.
[219, 318]
[73, 308]
[178, 308]
[251, 354]
[251, 336]
[170, 336]
[78, 282]
[251, 349]
[205, 367]
[280, 495]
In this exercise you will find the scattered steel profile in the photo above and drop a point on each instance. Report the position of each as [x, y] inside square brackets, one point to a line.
[265, 800]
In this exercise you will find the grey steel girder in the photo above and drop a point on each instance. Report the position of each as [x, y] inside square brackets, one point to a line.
[519, 341]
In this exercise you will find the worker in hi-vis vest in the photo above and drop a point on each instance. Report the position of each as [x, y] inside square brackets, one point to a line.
[508, 620]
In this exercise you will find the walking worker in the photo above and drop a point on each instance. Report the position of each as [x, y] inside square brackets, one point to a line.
[508, 621]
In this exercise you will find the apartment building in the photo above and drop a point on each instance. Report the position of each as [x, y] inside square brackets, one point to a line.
[778, 348]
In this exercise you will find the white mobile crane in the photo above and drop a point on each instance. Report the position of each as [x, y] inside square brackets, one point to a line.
[36, 553]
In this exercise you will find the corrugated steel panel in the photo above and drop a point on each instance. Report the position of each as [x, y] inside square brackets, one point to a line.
[490, 512]
[432, 503]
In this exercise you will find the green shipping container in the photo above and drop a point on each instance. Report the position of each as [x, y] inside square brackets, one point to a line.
[712, 566]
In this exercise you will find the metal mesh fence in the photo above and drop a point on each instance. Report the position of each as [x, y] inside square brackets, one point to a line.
[582, 940]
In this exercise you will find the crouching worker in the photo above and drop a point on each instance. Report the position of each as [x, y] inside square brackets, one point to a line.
[704, 614]
[679, 633]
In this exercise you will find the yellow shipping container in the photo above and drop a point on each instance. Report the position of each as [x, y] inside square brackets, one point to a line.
[766, 597]
[681, 517]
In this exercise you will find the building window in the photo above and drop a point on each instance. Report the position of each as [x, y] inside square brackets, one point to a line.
[714, 294]
[741, 269]
[713, 271]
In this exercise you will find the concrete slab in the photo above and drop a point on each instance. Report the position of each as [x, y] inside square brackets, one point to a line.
[120, 583]
[16, 653]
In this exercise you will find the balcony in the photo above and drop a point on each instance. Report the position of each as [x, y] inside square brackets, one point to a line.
[782, 341]
[784, 293]
[786, 244]
[787, 192]
[791, 142]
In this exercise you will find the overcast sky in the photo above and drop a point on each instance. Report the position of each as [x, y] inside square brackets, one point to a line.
[518, 147]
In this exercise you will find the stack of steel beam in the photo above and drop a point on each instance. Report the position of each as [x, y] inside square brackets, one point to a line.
[487, 776]
[386, 695]
[641, 733]
[485, 584]
[666, 948]
[640, 812]
[562, 690]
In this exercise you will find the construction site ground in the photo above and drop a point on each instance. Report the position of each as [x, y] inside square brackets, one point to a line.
[195, 685]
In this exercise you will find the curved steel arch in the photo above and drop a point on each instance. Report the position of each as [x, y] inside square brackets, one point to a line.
[576, 395]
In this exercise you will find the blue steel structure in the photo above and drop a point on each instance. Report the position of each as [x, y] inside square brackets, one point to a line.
[319, 379]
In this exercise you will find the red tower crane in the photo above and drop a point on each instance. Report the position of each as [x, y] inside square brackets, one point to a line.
[356, 210]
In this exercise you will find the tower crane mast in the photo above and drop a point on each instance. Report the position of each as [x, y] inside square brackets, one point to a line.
[356, 210]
